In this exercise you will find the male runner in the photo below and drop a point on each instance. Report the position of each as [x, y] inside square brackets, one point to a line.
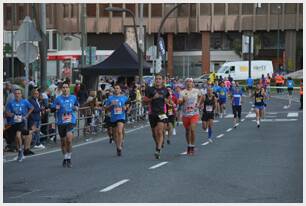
[118, 105]
[290, 85]
[236, 96]
[190, 99]
[66, 106]
[156, 96]
[222, 92]
[259, 95]
[18, 111]
[171, 107]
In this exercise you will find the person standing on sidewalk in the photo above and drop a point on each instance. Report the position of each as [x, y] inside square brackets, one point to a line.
[290, 85]
[66, 106]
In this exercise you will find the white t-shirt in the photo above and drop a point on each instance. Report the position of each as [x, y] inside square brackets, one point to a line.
[190, 106]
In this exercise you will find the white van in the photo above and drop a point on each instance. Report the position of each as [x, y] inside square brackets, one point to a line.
[239, 70]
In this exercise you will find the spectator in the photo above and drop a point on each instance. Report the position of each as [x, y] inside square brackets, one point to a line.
[35, 120]
[7, 90]
[82, 95]
[52, 88]
[77, 88]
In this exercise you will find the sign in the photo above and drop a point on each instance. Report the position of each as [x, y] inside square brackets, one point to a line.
[152, 53]
[27, 27]
[245, 44]
[158, 66]
[161, 45]
[25, 57]
[90, 55]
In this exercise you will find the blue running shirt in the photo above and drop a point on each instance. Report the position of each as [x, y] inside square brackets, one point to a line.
[66, 114]
[117, 111]
[19, 109]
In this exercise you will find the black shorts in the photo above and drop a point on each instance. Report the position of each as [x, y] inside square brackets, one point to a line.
[64, 129]
[19, 127]
[154, 119]
[114, 124]
[290, 90]
[236, 111]
[250, 87]
[171, 119]
[207, 116]
[107, 122]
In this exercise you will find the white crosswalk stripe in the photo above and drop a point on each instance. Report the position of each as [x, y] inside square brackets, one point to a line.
[251, 115]
[229, 116]
[293, 114]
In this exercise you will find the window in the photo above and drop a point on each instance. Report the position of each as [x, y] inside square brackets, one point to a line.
[182, 11]
[276, 8]
[156, 10]
[130, 7]
[233, 9]
[48, 11]
[54, 40]
[193, 10]
[232, 69]
[145, 10]
[102, 12]
[21, 12]
[91, 10]
[74, 10]
[219, 9]
[117, 14]
[301, 8]
[216, 41]
[205, 9]
[247, 9]
[290, 8]
[167, 8]
[263, 10]
[7, 12]
[66, 10]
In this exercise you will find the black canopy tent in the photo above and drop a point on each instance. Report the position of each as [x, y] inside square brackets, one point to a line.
[123, 61]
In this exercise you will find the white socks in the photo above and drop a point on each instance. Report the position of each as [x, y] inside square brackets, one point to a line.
[67, 156]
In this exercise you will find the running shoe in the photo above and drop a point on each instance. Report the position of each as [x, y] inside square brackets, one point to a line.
[188, 150]
[258, 125]
[191, 150]
[166, 133]
[110, 140]
[157, 155]
[69, 164]
[174, 131]
[64, 163]
[20, 156]
[119, 152]
[168, 141]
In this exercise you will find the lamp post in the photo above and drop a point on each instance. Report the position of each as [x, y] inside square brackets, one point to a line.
[140, 57]
[161, 26]
[278, 34]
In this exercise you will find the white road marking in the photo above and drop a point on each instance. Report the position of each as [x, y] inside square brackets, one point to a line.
[272, 113]
[184, 153]
[277, 120]
[24, 194]
[220, 135]
[205, 143]
[114, 185]
[270, 116]
[158, 165]
[242, 120]
[229, 116]
[229, 129]
[251, 115]
[285, 107]
[293, 114]
[78, 145]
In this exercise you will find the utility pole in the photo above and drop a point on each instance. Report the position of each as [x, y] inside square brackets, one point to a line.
[12, 39]
[83, 33]
[43, 47]
[142, 43]
[250, 59]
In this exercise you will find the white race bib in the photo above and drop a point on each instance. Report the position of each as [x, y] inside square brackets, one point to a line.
[17, 118]
[67, 118]
[209, 108]
[118, 110]
[162, 116]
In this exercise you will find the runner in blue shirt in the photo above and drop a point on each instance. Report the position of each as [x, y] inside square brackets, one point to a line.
[222, 92]
[66, 106]
[118, 105]
[250, 83]
[17, 113]
[236, 96]
[290, 85]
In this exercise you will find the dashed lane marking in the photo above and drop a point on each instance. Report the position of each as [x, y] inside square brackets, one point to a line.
[113, 186]
[205, 143]
[220, 135]
[158, 165]
[229, 129]
[293, 114]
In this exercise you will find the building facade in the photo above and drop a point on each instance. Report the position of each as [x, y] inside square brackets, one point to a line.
[198, 37]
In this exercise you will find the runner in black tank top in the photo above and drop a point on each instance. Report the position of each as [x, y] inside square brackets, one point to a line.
[259, 95]
[209, 106]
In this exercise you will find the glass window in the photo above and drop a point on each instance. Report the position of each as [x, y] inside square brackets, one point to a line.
[247, 9]
[276, 8]
[145, 10]
[205, 9]
[54, 40]
[117, 14]
[66, 11]
[263, 10]
[182, 11]
[167, 8]
[193, 10]
[290, 8]
[233, 9]
[7, 12]
[91, 10]
[156, 10]
[301, 8]
[219, 9]
[74, 10]
[232, 68]
[130, 7]
[48, 11]
[216, 41]
[102, 12]
[21, 12]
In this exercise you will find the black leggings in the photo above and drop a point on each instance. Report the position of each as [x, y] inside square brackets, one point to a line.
[237, 111]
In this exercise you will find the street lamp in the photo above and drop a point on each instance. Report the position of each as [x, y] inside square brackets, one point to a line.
[278, 35]
[161, 26]
[140, 57]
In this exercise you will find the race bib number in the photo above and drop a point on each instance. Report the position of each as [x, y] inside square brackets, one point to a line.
[170, 112]
[209, 108]
[222, 93]
[258, 99]
[162, 116]
[18, 118]
[67, 118]
[118, 110]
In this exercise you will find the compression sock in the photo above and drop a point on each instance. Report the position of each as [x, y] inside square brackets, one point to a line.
[209, 132]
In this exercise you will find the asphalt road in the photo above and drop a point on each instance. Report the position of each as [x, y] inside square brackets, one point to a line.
[246, 164]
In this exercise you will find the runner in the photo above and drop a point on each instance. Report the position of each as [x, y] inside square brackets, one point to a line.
[107, 122]
[222, 92]
[215, 88]
[178, 89]
[118, 105]
[250, 83]
[236, 96]
[66, 106]
[17, 112]
[190, 99]
[156, 96]
[259, 95]
[290, 85]
[210, 102]
[171, 107]
[301, 94]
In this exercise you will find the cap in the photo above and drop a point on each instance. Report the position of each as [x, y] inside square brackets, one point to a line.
[188, 79]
